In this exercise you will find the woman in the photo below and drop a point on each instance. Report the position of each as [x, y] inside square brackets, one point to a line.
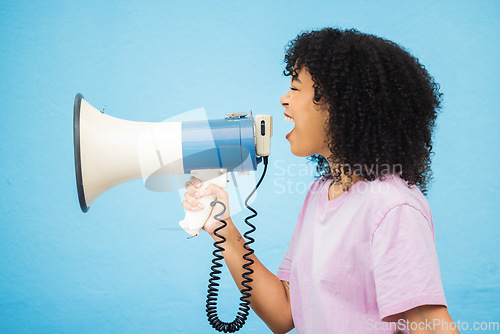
[362, 256]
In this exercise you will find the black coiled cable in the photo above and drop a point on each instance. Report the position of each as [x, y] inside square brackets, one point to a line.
[213, 291]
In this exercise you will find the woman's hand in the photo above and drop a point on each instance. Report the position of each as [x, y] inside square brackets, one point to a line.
[194, 193]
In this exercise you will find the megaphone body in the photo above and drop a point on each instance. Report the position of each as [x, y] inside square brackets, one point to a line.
[110, 151]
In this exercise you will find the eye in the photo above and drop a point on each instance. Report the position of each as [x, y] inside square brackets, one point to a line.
[291, 88]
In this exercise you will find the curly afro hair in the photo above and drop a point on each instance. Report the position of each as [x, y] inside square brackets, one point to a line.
[382, 104]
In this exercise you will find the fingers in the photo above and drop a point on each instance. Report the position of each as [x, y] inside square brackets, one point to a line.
[193, 190]
[215, 190]
[188, 206]
[195, 181]
[192, 201]
[193, 194]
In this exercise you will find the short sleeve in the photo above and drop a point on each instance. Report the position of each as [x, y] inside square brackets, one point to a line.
[405, 263]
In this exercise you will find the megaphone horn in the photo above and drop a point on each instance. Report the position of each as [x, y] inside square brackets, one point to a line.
[110, 151]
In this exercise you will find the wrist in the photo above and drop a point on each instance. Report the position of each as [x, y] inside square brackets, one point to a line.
[226, 231]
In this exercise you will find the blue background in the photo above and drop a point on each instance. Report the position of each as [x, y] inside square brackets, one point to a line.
[125, 267]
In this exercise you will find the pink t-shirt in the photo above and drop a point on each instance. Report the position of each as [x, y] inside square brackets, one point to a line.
[366, 256]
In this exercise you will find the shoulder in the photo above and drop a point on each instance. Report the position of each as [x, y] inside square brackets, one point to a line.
[381, 196]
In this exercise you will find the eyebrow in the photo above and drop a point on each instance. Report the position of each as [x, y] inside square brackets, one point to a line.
[296, 79]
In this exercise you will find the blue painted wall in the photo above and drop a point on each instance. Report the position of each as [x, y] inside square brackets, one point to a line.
[125, 267]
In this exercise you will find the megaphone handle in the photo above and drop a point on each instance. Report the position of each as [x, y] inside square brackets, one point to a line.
[194, 221]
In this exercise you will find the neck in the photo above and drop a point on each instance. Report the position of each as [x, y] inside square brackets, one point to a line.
[346, 181]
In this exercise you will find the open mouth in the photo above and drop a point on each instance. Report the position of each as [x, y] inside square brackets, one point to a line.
[289, 119]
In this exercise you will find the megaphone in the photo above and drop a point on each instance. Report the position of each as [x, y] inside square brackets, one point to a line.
[109, 151]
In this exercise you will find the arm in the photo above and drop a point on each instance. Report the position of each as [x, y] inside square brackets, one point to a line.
[269, 296]
[438, 317]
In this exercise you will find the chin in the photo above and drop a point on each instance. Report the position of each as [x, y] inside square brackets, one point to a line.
[300, 153]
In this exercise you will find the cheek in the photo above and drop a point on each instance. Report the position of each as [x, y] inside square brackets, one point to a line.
[315, 126]
[316, 133]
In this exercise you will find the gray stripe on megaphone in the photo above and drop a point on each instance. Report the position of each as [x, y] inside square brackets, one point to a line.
[233, 158]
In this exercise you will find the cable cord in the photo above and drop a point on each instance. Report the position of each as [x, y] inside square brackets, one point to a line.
[213, 290]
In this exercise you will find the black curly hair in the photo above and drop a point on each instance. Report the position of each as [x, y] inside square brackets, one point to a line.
[382, 103]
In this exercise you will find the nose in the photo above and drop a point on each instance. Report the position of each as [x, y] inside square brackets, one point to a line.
[285, 98]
